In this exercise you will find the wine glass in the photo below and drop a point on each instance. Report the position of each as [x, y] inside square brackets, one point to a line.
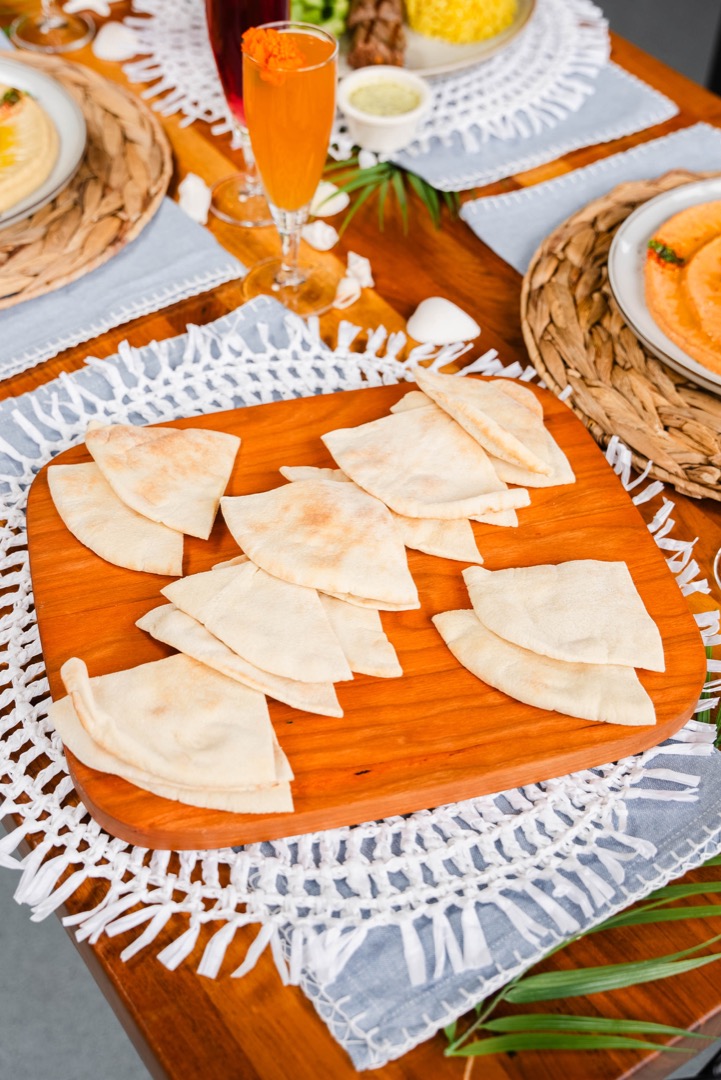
[289, 80]
[238, 199]
[52, 30]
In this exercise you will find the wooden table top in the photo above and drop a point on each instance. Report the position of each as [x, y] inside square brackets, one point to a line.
[185, 1026]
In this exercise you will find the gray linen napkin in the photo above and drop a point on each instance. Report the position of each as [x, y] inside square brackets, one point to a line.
[620, 105]
[173, 258]
[515, 224]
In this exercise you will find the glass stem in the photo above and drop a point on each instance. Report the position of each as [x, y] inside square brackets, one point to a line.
[289, 224]
[252, 180]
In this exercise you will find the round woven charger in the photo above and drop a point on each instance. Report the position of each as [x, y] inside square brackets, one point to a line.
[578, 338]
[118, 187]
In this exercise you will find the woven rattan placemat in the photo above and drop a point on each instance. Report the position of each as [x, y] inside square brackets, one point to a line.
[577, 338]
[118, 187]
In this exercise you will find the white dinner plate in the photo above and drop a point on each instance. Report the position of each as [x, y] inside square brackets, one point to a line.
[626, 261]
[69, 122]
[431, 56]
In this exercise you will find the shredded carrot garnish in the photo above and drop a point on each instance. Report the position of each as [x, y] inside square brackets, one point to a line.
[272, 50]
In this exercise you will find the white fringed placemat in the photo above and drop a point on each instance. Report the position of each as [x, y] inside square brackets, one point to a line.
[463, 896]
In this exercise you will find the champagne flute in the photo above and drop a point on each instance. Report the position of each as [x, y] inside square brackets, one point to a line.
[289, 79]
[238, 199]
[52, 30]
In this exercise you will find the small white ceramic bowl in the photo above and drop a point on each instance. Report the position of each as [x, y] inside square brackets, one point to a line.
[384, 134]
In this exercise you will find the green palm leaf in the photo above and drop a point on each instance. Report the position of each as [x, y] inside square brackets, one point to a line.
[598, 1024]
[660, 915]
[551, 1040]
[596, 980]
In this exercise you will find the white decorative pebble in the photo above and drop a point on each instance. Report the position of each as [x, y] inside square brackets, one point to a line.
[437, 321]
[360, 268]
[347, 292]
[100, 7]
[115, 41]
[195, 198]
[326, 203]
[320, 235]
[367, 159]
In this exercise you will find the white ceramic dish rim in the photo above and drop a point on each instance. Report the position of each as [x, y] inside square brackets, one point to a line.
[69, 122]
[626, 260]
[431, 57]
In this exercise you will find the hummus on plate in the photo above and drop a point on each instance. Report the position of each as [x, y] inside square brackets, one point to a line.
[28, 146]
[683, 281]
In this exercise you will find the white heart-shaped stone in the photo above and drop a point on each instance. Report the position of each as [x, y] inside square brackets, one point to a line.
[194, 198]
[437, 321]
[115, 41]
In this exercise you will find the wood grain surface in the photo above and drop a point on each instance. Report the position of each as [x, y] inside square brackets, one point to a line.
[253, 1028]
[438, 734]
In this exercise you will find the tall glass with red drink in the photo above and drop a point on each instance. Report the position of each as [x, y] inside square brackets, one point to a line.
[239, 199]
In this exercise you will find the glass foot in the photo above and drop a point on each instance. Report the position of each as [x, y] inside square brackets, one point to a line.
[238, 204]
[52, 33]
[314, 295]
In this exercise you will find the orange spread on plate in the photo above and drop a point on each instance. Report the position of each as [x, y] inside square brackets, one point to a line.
[683, 282]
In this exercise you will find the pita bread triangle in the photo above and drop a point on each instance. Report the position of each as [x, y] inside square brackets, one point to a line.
[275, 625]
[361, 634]
[326, 536]
[422, 464]
[172, 626]
[177, 720]
[581, 611]
[503, 425]
[606, 692]
[172, 475]
[259, 799]
[450, 539]
[103, 523]
[561, 471]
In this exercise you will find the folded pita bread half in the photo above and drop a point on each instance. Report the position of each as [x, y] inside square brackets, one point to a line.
[581, 611]
[177, 720]
[275, 625]
[96, 517]
[326, 536]
[262, 799]
[606, 692]
[172, 475]
[450, 539]
[530, 431]
[363, 639]
[422, 464]
[173, 627]
[504, 426]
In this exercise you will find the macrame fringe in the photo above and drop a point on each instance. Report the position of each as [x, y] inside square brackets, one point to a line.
[289, 888]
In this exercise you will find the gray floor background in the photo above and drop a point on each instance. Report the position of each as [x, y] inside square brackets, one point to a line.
[54, 1022]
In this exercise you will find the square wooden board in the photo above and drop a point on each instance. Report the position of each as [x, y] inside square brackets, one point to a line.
[434, 736]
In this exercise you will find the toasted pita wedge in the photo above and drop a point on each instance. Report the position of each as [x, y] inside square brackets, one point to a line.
[275, 625]
[326, 536]
[450, 539]
[172, 475]
[364, 642]
[173, 627]
[102, 522]
[262, 799]
[177, 720]
[582, 611]
[422, 464]
[416, 399]
[500, 423]
[606, 692]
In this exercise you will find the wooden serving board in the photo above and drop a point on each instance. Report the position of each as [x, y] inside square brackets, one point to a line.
[437, 734]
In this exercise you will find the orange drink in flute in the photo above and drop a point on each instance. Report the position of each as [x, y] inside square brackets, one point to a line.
[289, 79]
